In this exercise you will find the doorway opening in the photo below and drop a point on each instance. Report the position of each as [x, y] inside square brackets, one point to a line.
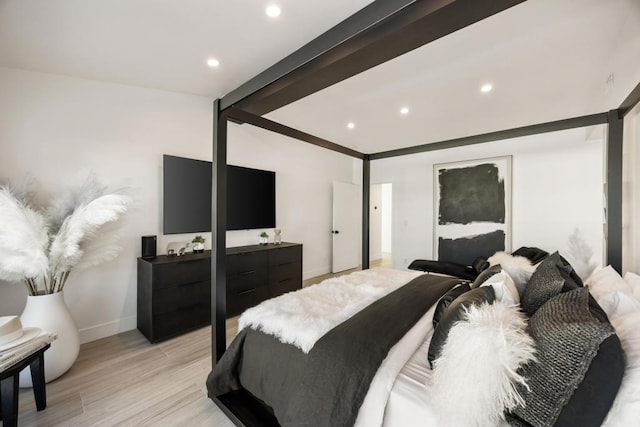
[380, 225]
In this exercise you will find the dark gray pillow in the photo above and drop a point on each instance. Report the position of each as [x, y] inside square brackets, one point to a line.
[569, 332]
[550, 278]
[446, 301]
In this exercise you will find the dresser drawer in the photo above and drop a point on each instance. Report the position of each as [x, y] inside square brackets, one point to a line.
[283, 256]
[168, 300]
[168, 275]
[285, 271]
[170, 324]
[246, 262]
[247, 280]
[238, 303]
[283, 286]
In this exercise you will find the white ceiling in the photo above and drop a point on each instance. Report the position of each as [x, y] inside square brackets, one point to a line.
[161, 44]
[547, 60]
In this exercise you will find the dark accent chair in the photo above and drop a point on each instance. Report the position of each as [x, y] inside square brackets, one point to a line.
[467, 272]
[470, 272]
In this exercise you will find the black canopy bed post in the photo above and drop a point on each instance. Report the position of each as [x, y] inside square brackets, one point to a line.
[366, 191]
[218, 234]
[614, 190]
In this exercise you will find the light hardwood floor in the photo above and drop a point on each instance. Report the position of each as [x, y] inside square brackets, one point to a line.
[124, 380]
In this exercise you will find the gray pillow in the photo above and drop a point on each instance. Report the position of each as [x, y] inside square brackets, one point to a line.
[568, 335]
[550, 278]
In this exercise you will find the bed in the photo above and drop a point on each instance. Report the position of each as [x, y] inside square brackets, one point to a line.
[370, 364]
[369, 347]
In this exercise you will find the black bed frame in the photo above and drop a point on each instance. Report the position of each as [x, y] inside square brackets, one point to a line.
[383, 30]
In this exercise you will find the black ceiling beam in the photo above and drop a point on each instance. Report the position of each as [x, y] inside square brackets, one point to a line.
[381, 31]
[582, 121]
[239, 116]
[630, 101]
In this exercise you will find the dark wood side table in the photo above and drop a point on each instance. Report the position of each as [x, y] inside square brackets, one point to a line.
[9, 386]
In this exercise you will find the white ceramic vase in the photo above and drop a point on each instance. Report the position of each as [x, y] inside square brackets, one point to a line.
[50, 313]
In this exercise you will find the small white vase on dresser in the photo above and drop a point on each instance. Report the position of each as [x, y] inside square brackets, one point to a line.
[50, 313]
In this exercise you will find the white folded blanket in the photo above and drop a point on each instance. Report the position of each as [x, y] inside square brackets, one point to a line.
[302, 317]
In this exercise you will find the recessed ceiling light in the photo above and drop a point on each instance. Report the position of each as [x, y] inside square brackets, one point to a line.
[273, 11]
[486, 88]
[404, 110]
[351, 125]
[213, 63]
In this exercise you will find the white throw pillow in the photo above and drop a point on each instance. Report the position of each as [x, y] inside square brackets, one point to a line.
[476, 377]
[519, 268]
[633, 280]
[504, 288]
[607, 280]
[618, 303]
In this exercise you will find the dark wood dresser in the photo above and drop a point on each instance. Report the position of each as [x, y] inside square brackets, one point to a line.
[174, 293]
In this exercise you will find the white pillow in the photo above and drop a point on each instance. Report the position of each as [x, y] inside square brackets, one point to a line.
[633, 280]
[618, 303]
[476, 377]
[519, 268]
[607, 280]
[504, 288]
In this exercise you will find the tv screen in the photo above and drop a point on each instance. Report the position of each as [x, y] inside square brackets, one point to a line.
[251, 197]
[187, 195]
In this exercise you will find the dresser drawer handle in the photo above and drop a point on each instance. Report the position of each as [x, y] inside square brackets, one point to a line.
[180, 285]
[248, 291]
[246, 273]
[285, 280]
[285, 263]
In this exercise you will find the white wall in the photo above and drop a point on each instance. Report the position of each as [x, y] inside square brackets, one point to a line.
[59, 129]
[557, 187]
[631, 192]
[304, 190]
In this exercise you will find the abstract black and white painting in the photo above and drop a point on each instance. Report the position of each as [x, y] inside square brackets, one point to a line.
[472, 214]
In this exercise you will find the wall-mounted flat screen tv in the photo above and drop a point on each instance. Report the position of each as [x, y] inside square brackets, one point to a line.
[187, 195]
[251, 197]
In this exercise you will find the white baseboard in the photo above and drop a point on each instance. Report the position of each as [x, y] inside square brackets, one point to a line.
[103, 330]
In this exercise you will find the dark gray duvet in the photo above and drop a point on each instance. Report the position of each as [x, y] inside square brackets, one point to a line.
[327, 386]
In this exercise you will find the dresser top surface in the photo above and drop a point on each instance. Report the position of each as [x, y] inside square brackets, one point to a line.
[190, 256]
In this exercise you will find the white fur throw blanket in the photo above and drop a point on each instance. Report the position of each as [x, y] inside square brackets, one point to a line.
[302, 317]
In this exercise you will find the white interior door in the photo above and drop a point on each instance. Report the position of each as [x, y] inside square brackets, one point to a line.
[347, 217]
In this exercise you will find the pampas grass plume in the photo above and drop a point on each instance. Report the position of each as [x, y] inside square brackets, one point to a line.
[78, 230]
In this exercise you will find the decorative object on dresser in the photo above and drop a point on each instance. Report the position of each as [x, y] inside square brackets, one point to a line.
[264, 238]
[198, 244]
[277, 236]
[149, 246]
[174, 293]
[176, 248]
[41, 247]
